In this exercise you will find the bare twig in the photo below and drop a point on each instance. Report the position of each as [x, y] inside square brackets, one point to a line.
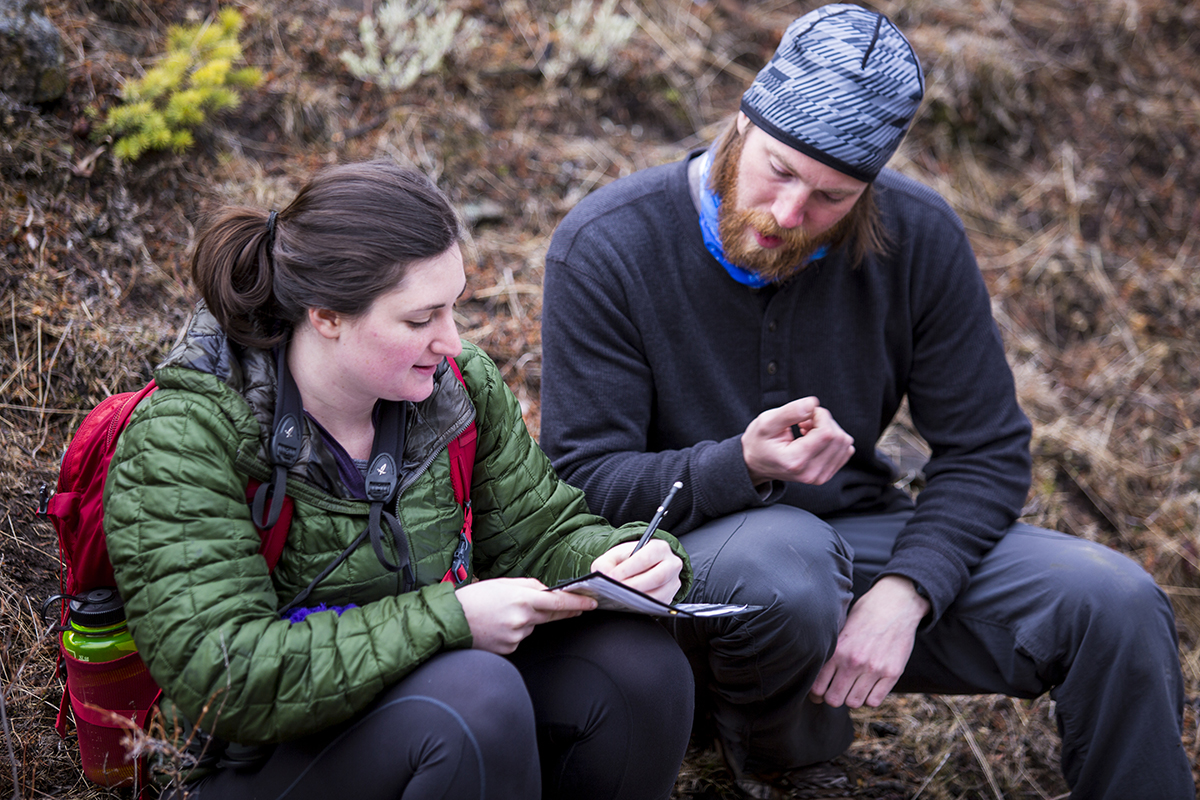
[929, 780]
[975, 749]
[12, 756]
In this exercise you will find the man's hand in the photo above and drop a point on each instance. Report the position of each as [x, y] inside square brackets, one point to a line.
[653, 570]
[772, 451]
[503, 611]
[874, 646]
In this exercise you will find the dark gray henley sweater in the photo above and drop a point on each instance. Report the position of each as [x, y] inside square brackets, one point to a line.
[655, 360]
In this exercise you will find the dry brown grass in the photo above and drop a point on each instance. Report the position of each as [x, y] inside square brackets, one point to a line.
[1063, 132]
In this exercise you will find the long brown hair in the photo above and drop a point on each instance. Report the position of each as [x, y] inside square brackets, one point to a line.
[348, 236]
[865, 228]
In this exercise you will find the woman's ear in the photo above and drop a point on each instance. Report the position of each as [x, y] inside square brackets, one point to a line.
[327, 323]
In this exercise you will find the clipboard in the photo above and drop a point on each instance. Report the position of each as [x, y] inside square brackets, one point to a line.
[612, 595]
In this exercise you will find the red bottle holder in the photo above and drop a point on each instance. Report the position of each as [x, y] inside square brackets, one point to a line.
[109, 699]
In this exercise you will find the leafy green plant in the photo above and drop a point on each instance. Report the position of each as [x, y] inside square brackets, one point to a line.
[416, 41]
[195, 79]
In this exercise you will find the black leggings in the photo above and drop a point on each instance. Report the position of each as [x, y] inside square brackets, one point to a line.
[602, 701]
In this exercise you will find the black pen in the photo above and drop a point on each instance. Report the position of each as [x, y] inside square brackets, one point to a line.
[658, 515]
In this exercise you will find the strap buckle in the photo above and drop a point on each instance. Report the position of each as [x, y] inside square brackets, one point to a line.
[381, 480]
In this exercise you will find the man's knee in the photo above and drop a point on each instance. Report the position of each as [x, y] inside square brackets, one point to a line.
[788, 561]
[1112, 609]
[793, 565]
[1127, 605]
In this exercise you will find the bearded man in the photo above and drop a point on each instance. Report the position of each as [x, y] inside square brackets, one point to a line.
[748, 321]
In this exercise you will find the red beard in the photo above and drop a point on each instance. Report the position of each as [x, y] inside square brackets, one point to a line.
[736, 227]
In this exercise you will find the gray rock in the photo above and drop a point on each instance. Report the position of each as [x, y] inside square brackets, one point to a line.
[32, 68]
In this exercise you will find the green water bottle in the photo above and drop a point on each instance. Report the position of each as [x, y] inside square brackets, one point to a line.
[96, 629]
[109, 689]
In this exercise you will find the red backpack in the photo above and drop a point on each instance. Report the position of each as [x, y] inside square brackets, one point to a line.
[107, 705]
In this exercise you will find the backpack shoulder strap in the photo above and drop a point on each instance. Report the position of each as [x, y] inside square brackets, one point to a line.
[77, 507]
[462, 453]
[462, 466]
[270, 506]
[273, 538]
[461, 450]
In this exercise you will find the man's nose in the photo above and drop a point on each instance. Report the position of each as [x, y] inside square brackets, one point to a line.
[788, 208]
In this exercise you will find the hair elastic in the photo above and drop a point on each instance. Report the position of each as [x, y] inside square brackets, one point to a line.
[271, 231]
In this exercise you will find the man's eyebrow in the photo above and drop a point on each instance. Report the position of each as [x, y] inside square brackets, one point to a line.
[779, 160]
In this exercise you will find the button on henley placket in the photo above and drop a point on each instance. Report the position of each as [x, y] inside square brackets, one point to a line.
[774, 348]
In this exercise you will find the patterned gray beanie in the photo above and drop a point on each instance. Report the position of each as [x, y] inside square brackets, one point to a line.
[842, 88]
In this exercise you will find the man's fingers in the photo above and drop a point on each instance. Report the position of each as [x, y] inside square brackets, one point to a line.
[869, 689]
[835, 694]
[821, 452]
[821, 684]
[843, 687]
[858, 691]
[879, 691]
[790, 418]
[832, 457]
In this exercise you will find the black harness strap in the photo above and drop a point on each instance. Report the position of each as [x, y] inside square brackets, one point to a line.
[286, 439]
[382, 482]
[299, 599]
[382, 479]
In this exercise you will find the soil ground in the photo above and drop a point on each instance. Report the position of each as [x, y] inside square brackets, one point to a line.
[1062, 131]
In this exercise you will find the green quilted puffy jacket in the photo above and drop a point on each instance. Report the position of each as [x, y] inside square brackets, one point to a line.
[201, 604]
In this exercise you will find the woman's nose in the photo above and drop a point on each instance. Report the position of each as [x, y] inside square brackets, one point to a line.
[447, 342]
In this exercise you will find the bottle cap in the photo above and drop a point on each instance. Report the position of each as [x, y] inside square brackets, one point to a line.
[98, 608]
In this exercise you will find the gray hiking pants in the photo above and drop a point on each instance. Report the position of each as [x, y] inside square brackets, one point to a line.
[1043, 612]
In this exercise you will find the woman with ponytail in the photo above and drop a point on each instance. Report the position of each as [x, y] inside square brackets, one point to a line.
[423, 663]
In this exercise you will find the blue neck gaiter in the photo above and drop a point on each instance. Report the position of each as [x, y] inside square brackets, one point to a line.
[710, 206]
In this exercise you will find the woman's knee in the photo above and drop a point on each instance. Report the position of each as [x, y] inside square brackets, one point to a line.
[475, 716]
[468, 701]
[460, 725]
[614, 698]
[650, 671]
[482, 689]
[604, 656]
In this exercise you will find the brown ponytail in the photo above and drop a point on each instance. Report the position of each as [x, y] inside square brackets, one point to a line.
[348, 237]
[232, 269]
